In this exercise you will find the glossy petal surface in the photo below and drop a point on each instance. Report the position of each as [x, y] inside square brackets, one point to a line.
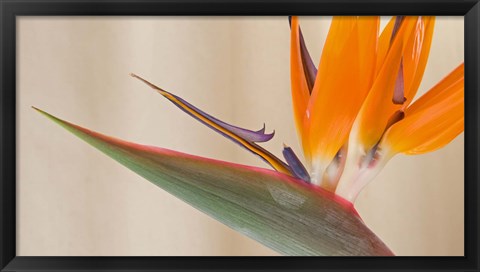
[433, 120]
[344, 78]
[300, 87]
[378, 107]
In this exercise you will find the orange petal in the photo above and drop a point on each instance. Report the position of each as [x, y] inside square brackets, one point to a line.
[367, 39]
[433, 120]
[439, 91]
[384, 44]
[441, 140]
[378, 107]
[300, 91]
[342, 83]
[416, 55]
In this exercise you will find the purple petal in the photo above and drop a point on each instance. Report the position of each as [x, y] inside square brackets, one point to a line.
[396, 27]
[249, 135]
[295, 164]
[308, 65]
[398, 92]
[244, 138]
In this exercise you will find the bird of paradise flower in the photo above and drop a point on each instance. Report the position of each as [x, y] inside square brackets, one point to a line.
[352, 114]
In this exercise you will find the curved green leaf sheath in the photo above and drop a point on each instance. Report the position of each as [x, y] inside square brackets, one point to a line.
[283, 213]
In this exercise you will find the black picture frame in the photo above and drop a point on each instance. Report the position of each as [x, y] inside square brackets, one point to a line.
[9, 9]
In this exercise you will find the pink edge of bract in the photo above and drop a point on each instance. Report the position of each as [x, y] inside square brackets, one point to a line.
[347, 205]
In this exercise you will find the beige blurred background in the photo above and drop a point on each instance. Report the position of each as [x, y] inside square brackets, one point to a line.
[73, 200]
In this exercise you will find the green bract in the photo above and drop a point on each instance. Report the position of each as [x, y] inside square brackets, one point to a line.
[281, 212]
